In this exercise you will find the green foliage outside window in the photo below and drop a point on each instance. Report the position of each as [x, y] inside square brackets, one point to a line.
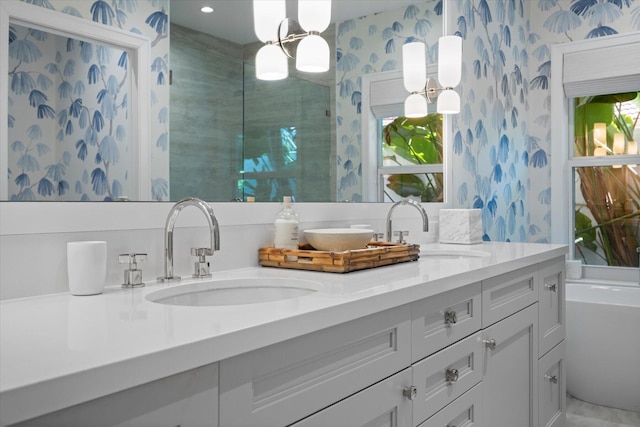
[607, 219]
[416, 141]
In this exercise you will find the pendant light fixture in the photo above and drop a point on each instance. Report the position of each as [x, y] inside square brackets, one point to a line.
[284, 37]
[271, 62]
[424, 90]
[313, 54]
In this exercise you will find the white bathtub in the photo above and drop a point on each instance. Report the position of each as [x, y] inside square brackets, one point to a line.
[603, 344]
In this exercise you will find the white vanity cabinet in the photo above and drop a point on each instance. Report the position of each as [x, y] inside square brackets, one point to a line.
[470, 356]
[489, 353]
[187, 399]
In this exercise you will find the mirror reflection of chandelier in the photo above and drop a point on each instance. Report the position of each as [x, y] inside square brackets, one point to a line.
[285, 38]
[424, 90]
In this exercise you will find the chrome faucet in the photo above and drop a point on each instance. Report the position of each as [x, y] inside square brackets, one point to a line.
[214, 229]
[409, 202]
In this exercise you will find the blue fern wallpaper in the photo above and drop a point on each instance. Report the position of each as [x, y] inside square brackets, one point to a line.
[69, 129]
[373, 44]
[501, 141]
[561, 21]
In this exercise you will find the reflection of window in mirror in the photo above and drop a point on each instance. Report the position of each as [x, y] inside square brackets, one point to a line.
[275, 171]
[70, 125]
[402, 157]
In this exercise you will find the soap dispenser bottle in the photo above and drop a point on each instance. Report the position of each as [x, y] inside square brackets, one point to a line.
[286, 228]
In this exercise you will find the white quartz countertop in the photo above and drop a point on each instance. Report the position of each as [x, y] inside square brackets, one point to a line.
[60, 350]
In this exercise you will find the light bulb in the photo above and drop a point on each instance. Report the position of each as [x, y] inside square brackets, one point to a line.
[415, 106]
[599, 151]
[618, 146]
[632, 148]
[414, 66]
[312, 54]
[271, 63]
[449, 61]
[448, 102]
[314, 15]
[600, 133]
[267, 16]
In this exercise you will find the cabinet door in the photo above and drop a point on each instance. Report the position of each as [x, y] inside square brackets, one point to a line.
[442, 377]
[551, 305]
[381, 405]
[551, 390]
[443, 319]
[285, 382]
[188, 399]
[510, 382]
[507, 293]
[464, 411]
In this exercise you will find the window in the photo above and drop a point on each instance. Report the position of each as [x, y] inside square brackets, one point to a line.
[594, 133]
[272, 172]
[401, 157]
[410, 158]
[606, 197]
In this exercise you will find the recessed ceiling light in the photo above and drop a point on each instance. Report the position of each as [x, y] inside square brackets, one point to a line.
[206, 9]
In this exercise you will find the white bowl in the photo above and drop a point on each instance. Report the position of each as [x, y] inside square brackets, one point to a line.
[338, 239]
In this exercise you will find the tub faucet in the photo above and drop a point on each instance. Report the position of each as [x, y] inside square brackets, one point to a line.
[214, 230]
[409, 202]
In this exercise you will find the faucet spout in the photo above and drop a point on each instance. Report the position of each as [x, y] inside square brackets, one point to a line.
[214, 230]
[408, 202]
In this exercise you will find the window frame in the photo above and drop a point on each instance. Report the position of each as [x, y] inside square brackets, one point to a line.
[380, 105]
[563, 161]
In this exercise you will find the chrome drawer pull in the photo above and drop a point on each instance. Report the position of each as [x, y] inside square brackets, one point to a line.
[451, 375]
[552, 378]
[450, 317]
[410, 392]
[490, 344]
[552, 287]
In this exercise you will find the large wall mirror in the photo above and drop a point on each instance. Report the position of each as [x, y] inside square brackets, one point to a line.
[74, 108]
[230, 136]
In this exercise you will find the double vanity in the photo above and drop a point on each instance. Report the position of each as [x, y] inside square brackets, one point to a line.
[465, 336]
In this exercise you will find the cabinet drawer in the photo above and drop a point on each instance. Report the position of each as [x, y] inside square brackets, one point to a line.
[285, 382]
[551, 388]
[444, 376]
[464, 411]
[551, 307]
[510, 292]
[439, 321]
[381, 405]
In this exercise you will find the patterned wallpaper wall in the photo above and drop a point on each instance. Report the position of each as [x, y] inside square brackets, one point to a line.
[561, 21]
[373, 44]
[69, 134]
[490, 133]
[502, 143]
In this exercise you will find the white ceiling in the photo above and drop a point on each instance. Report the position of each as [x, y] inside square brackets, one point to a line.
[233, 19]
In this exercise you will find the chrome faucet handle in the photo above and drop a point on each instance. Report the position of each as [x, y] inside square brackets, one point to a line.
[401, 235]
[132, 275]
[378, 237]
[201, 267]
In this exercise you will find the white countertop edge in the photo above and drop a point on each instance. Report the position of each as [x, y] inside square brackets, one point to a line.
[17, 404]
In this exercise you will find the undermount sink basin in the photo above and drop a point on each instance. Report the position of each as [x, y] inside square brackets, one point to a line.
[233, 292]
[452, 253]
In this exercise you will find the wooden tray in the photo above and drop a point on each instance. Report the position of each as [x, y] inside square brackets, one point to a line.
[376, 254]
